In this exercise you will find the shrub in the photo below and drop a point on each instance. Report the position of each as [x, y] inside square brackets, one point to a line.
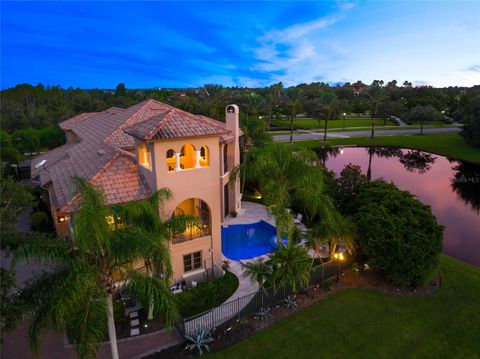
[207, 295]
[39, 221]
[398, 234]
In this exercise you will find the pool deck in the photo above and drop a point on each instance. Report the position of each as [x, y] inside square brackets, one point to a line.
[250, 213]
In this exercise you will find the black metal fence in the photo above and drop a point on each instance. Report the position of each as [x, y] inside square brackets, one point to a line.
[230, 312]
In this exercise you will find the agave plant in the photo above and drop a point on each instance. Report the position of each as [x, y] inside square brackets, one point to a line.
[291, 302]
[263, 313]
[199, 341]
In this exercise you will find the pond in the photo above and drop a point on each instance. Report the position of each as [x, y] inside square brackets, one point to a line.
[450, 187]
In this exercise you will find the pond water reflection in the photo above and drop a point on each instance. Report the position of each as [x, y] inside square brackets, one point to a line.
[450, 187]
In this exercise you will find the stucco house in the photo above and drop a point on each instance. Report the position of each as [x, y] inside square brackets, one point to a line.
[131, 153]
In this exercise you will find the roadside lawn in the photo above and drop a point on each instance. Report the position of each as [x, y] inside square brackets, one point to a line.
[365, 323]
[310, 124]
[450, 145]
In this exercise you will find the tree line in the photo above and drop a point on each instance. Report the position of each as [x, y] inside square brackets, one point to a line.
[30, 114]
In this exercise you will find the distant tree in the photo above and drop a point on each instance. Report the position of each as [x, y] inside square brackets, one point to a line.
[329, 102]
[293, 105]
[376, 95]
[399, 235]
[421, 114]
[120, 90]
[469, 114]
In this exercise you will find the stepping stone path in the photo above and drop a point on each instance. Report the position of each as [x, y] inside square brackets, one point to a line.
[134, 323]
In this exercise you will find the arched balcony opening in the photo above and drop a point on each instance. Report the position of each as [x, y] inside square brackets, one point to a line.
[204, 160]
[202, 227]
[187, 156]
[171, 160]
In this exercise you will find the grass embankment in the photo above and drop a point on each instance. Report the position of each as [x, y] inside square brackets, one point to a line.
[450, 145]
[365, 323]
[207, 295]
[310, 124]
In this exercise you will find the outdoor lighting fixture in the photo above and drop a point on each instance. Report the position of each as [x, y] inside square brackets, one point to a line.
[257, 195]
[146, 326]
[61, 219]
[339, 257]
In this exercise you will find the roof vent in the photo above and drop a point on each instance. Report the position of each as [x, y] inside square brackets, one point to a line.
[101, 152]
[40, 164]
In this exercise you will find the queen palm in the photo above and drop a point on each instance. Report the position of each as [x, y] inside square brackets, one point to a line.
[285, 177]
[76, 295]
[329, 102]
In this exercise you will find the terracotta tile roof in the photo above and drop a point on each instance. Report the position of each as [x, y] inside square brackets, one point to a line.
[68, 124]
[100, 155]
[166, 122]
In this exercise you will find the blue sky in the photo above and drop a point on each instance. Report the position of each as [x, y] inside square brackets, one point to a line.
[188, 44]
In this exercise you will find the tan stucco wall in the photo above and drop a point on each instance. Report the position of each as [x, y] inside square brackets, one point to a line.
[202, 183]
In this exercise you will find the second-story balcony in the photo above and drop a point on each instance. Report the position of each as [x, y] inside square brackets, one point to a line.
[198, 208]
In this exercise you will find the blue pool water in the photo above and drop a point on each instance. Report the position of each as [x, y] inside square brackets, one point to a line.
[245, 241]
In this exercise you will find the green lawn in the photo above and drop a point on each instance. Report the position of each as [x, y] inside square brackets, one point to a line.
[365, 323]
[314, 124]
[451, 144]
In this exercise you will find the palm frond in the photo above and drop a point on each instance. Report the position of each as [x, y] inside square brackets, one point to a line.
[154, 291]
[45, 250]
[91, 229]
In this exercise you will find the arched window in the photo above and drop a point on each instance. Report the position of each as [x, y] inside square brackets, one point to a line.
[204, 156]
[200, 228]
[145, 156]
[171, 160]
[187, 156]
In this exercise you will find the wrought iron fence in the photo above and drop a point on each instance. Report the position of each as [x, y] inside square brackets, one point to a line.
[237, 309]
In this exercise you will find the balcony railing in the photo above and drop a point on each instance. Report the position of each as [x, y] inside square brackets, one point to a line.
[192, 232]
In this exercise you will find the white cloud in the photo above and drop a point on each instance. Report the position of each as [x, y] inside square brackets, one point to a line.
[300, 53]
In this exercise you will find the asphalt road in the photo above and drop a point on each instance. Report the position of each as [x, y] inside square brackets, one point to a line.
[319, 135]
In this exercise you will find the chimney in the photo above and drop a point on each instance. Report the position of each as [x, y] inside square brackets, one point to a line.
[232, 119]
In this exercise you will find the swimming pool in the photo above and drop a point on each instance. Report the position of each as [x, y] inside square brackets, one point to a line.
[245, 241]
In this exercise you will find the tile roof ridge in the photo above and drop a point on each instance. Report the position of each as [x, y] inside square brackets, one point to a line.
[167, 116]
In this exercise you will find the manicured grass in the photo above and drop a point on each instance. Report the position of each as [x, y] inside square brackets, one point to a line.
[366, 323]
[207, 295]
[451, 144]
[314, 124]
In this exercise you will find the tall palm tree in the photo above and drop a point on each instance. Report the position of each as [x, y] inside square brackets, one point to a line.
[376, 95]
[329, 102]
[286, 177]
[293, 104]
[76, 295]
[291, 266]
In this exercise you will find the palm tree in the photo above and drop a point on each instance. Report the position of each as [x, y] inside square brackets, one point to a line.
[258, 272]
[291, 265]
[376, 95]
[315, 239]
[293, 105]
[329, 102]
[285, 177]
[76, 295]
[334, 229]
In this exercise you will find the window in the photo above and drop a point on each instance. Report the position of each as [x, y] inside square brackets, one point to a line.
[204, 156]
[192, 261]
[145, 156]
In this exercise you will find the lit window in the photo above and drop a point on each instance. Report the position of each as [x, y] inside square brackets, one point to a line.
[145, 156]
[171, 160]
